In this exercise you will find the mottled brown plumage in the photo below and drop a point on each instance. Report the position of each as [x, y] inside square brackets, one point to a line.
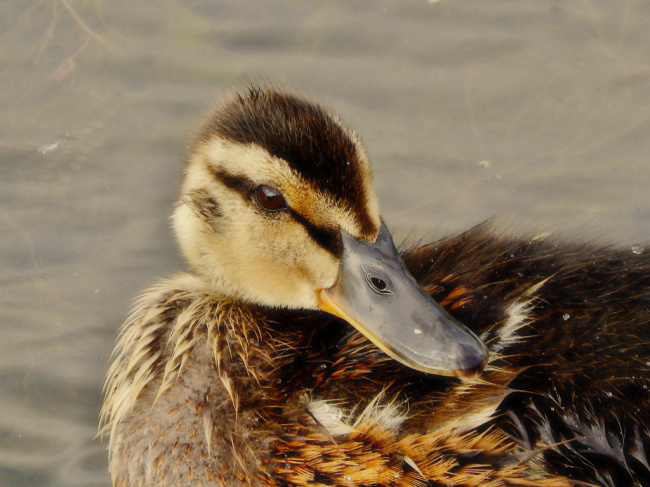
[214, 384]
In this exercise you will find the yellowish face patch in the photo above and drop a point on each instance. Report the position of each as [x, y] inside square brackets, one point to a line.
[267, 257]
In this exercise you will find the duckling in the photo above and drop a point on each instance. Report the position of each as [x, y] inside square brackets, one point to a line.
[303, 350]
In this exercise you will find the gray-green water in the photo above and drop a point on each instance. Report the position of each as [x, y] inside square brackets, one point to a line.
[537, 112]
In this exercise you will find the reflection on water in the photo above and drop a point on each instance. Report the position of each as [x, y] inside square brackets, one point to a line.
[534, 111]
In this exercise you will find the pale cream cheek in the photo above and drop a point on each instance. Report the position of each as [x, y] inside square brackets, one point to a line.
[189, 233]
[199, 240]
[254, 258]
[279, 265]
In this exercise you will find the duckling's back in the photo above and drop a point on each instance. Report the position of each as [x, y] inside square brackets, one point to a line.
[573, 322]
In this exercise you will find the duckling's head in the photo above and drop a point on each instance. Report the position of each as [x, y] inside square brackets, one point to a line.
[278, 209]
[271, 182]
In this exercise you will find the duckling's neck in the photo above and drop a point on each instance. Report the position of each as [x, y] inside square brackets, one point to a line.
[188, 362]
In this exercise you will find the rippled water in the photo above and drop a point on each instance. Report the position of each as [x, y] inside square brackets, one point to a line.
[537, 112]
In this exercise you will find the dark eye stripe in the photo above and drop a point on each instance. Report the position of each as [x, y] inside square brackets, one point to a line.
[327, 238]
[241, 184]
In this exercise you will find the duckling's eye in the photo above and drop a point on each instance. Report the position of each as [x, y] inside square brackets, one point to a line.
[378, 285]
[270, 198]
